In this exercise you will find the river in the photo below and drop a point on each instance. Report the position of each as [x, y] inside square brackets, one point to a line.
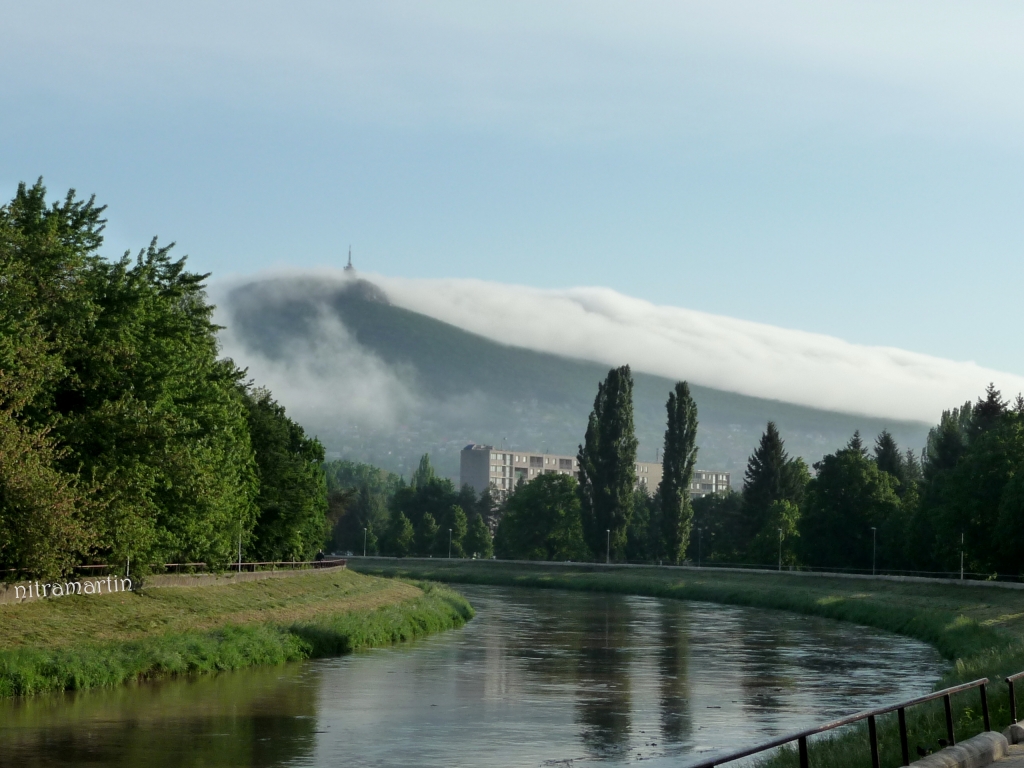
[538, 678]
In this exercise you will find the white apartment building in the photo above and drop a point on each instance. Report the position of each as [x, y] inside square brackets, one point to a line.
[484, 466]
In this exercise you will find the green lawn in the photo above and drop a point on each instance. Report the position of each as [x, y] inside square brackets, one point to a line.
[85, 641]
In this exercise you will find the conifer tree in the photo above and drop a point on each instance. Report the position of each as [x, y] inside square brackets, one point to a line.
[677, 472]
[771, 476]
[453, 533]
[426, 536]
[888, 456]
[988, 412]
[608, 465]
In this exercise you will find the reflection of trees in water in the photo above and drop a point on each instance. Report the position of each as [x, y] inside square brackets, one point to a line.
[603, 704]
[673, 677]
[763, 678]
[255, 717]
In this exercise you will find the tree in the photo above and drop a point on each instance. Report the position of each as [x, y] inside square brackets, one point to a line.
[849, 496]
[607, 465]
[770, 476]
[426, 536]
[969, 499]
[487, 507]
[292, 498]
[400, 537]
[542, 522]
[677, 467]
[435, 495]
[988, 412]
[779, 535]
[478, 539]
[424, 472]
[888, 456]
[372, 544]
[453, 532]
[721, 523]
[643, 535]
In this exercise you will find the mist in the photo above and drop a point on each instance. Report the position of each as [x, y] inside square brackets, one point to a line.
[602, 325]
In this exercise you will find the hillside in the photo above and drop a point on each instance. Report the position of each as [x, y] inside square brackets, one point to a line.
[460, 388]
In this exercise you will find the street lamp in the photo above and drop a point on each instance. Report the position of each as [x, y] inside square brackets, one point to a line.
[874, 548]
[780, 549]
[364, 542]
[608, 547]
[698, 545]
[449, 543]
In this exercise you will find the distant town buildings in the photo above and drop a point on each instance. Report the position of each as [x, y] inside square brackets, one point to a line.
[484, 466]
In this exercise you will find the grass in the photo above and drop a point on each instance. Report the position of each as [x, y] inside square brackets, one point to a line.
[978, 630]
[171, 631]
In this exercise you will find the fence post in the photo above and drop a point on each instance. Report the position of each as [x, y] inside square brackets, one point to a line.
[1013, 702]
[873, 738]
[804, 761]
[901, 714]
[984, 707]
[949, 719]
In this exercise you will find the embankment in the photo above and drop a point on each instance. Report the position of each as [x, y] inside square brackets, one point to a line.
[85, 641]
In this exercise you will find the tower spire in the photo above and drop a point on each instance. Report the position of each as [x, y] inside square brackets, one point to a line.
[349, 267]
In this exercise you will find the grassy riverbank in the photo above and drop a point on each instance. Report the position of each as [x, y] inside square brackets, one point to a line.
[979, 630]
[87, 641]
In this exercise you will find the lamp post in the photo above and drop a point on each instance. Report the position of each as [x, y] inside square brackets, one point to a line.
[874, 548]
[364, 542]
[780, 549]
[961, 555]
[699, 530]
[608, 547]
[449, 543]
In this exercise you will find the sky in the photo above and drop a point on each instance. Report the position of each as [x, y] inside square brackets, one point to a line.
[846, 169]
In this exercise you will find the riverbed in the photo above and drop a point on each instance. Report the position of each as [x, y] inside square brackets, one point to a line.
[538, 678]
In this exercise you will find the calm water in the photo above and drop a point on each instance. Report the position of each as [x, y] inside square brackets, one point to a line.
[539, 678]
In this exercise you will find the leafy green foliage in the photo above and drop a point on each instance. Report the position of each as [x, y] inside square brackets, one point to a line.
[849, 496]
[542, 522]
[677, 467]
[607, 465]
[400, 536]
[771, 476]
[453, 531]
[123, 434]
[478, 539]
[426, 536]
[292, 499]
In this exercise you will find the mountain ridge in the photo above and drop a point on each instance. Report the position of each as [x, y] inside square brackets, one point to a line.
[472, 389]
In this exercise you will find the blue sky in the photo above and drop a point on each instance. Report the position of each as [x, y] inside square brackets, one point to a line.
[848, 169]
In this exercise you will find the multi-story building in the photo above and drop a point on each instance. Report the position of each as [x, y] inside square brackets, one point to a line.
[484, 466]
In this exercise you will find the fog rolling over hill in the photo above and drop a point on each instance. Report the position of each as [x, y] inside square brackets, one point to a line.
[382, 384]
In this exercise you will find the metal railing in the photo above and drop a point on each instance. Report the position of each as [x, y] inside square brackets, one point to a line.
[1013, 700]
[870, 715]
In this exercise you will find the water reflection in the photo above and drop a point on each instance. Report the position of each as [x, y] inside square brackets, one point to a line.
[538, 678]
[264, 717]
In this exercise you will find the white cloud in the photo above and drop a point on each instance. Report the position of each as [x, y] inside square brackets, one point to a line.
[736, 355]
[596, 324]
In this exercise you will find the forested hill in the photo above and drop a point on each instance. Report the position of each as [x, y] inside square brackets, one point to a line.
[456, 387]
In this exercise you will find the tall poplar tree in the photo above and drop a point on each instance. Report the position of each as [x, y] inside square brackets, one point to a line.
[680, 457]
[607, 461]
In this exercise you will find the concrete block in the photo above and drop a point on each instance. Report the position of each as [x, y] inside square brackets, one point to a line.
[1014, 733]
[977, 752]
